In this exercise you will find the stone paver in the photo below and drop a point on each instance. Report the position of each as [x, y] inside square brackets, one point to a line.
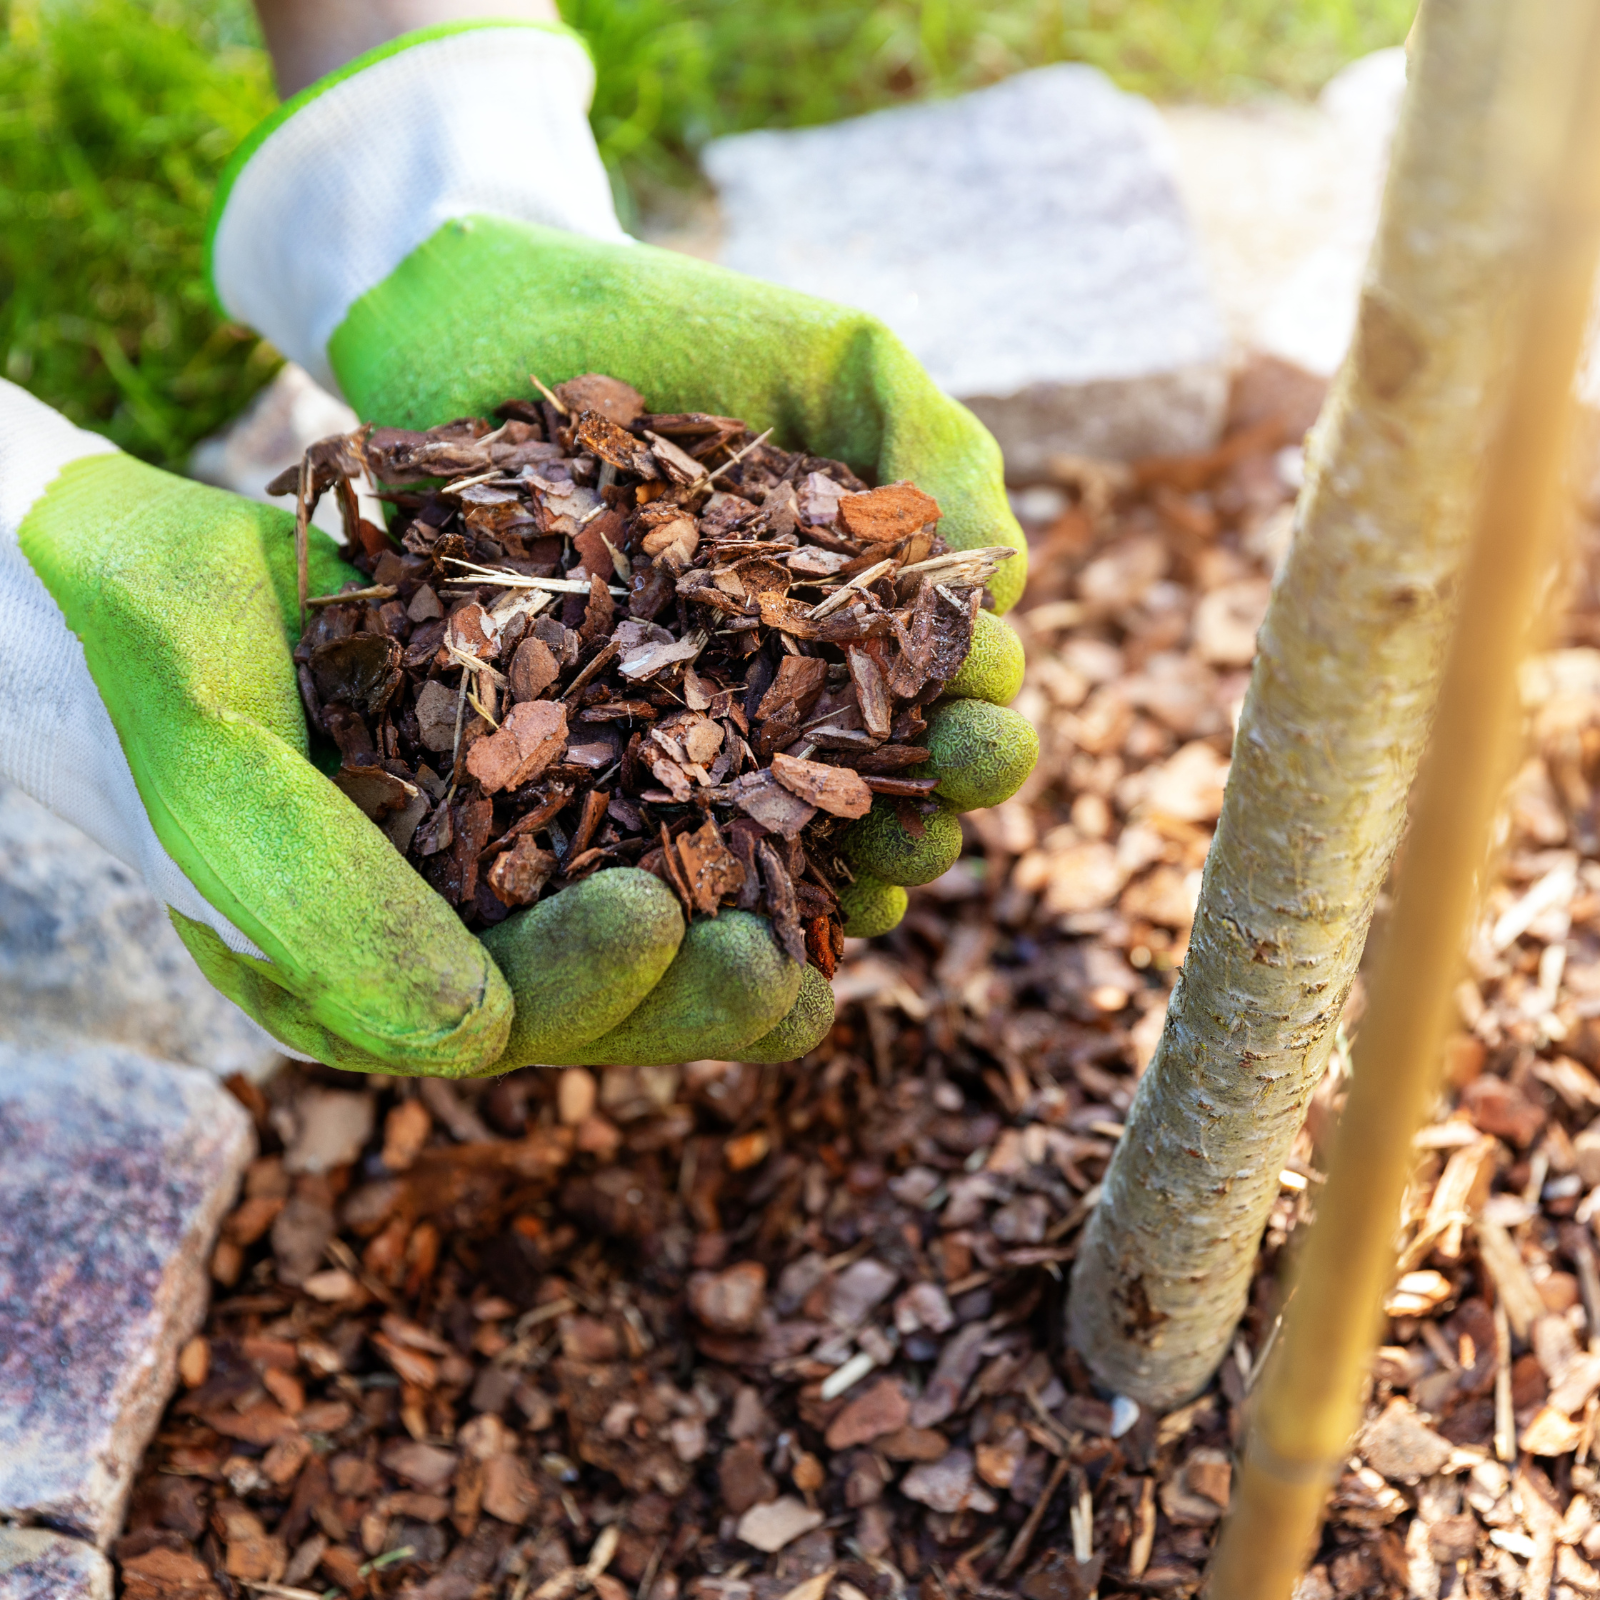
[86, 951]
[1285, 201]
[1027, 243]
[115, 1171]
[36, 1564]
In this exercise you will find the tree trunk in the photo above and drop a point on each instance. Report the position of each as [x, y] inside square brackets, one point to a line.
[1344, 686]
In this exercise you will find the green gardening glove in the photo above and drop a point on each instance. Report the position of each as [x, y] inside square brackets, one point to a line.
[432, 225]
[147, 694]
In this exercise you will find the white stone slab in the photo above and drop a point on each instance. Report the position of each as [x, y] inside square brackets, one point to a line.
[1026, 241]
[87, 952]
[1285, 200]
[36, 1564]
[115, 1172]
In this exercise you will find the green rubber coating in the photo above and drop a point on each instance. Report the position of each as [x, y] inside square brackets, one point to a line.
[729, 984]
[253, 986]
[879, 845]
[803, 1029]
[179, 593]
[994, 665]
[581, 961]
[980, 753]
[871, 906]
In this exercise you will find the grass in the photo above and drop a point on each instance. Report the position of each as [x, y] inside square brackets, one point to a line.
[116, 117]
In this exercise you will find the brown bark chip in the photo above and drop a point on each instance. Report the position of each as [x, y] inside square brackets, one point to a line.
[533, 669]
[881, 1409]
[684, 594]
[882, 516]
[836, 790]
[524, 745]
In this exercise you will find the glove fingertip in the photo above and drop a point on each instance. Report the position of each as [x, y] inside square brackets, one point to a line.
[980, 753]
[994, 665]
[871, 906]
[580, 962]
[880, 843]
[804, 1026]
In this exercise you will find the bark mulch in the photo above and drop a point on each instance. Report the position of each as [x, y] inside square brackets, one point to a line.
[779, 1333]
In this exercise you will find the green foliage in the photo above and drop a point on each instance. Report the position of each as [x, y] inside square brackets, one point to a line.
[675, 72]
[115, 119]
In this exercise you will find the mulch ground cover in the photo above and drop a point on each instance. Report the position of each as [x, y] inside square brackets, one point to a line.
[785, 1332]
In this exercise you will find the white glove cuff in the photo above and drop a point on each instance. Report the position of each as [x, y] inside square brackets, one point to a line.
[57, 741]
[362, 169]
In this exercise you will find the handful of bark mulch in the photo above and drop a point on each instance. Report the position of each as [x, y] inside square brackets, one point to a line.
[597, 637]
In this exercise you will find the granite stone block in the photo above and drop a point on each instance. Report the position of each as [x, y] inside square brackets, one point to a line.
[115, 1172]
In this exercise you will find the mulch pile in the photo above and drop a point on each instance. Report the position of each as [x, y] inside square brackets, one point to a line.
[612, 638]
[784, 1333]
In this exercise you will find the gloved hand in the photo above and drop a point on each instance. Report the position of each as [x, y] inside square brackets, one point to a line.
[427, 227]
[173, 735]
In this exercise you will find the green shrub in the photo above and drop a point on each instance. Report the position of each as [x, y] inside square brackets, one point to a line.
[115, 119]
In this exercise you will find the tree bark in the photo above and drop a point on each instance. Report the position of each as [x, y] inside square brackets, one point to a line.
[1344, 685]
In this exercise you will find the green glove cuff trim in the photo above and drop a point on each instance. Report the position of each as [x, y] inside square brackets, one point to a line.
[458, 325]
[269, 125]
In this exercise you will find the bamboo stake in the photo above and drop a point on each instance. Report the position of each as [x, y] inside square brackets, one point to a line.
[1307, 1405]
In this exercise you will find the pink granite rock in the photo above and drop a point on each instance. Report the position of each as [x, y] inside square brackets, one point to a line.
[115, 1172]
[36, 1564]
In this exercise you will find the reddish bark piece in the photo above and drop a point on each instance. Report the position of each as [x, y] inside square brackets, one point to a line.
[709, 867]
[729, 1301]
[888, 514]
[882, 1408]
[1497, 1107]
[524, 745]
[518, 874]
[508, 1491]
[795, 688]
[743, 1477]
[601, 437]
[473, 632]
[613, 399]
[872, 692]
[601, 536]
[533, 669]
[781, 903]
[761, 796]
[836, 790]
[913, 1444]
[377, 793]
[425, 1465]
[599, 612]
